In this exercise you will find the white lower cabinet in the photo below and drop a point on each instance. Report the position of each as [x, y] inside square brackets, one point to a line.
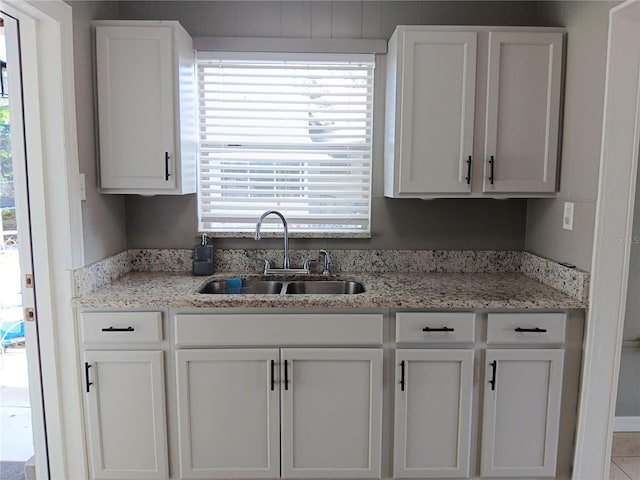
[125, 414]
[279, 413]
[521, 416]
[433, 413]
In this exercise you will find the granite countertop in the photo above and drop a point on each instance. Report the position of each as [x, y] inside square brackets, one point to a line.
[385, 290]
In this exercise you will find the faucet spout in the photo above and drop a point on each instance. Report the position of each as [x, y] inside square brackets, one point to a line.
[286, 262]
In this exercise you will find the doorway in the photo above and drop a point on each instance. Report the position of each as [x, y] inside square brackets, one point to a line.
[22, 433]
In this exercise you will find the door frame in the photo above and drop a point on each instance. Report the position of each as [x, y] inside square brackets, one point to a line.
[611, 249]
[46, 40]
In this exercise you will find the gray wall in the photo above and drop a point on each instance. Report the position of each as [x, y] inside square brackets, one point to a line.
[587, 24]
[103, 216]
[443, 224]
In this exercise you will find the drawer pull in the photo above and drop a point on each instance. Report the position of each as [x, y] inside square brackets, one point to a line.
[273, 375]
[440, 329]
[402, 376]
[87, 366]
[530, 330]
[113, 329]
[286, 375]
[494, 369]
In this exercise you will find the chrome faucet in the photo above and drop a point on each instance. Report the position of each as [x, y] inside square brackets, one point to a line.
[326, 265]
[286, 262]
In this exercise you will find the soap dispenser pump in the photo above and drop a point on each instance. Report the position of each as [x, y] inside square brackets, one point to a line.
[203, 257]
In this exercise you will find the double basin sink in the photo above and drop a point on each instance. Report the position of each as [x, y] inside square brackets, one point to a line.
[284, 287]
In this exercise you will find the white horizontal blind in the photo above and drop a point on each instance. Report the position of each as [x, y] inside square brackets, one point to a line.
[293, 136]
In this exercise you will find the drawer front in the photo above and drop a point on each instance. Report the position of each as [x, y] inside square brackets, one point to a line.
[526, 328]
[273, 329]
[434, 327]
[120, 327]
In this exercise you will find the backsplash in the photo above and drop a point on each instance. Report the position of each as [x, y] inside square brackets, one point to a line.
[570, 281]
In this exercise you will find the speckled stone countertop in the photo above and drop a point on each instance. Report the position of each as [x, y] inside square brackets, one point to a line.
[497, 290]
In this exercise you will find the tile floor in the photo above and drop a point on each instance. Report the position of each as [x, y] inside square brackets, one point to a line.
[625, 456]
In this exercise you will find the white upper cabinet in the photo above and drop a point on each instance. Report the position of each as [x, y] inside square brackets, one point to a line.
[146, 107]
[472, 111]
[523, 104]
[430, 101]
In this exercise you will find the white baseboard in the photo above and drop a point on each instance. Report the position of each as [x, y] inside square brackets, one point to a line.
[626, 424]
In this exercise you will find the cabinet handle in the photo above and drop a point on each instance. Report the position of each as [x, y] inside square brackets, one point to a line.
[273, 375]
[402, 382]
[87, 366]
[286, 375]
[491, 162]
[533, 330]
[166, 166]
[494, 368]
[468, 177]
[440, 329]
[113, 329]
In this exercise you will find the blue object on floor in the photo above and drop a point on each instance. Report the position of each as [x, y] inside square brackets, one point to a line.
[233, 285]
[11, 333]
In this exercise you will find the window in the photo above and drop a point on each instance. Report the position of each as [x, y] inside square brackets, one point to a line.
[292, 135]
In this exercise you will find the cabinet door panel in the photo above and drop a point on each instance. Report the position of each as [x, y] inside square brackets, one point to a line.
[438, 97]
[135, 73]
[127, 389]
[521, 413]
[228, 413]
[331, 413]
[523, 107]
[433, 413]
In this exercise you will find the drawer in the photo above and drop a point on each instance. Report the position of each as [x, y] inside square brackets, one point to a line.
[526, 328]
[120, 327]
[435, 327]
[277, 329]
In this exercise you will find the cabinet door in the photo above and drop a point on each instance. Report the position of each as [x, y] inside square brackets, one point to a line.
[437, 102]
[521, 413]
[228, 413]
[126, 415]
[331, 413]
[135, 75]
[433, 413]
[523, 111]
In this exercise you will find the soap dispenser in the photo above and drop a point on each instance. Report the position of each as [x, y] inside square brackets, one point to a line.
[203, 257]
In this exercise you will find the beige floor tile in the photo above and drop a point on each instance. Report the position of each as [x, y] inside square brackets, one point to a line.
[626, 444]
[616, 473]
[629, 465]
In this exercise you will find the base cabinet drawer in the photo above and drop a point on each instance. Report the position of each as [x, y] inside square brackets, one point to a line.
[435, 327]
[120, 327]
[526, 328]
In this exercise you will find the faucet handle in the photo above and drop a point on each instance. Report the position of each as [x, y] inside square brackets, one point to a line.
[307, 264]
[326, 266]
[267, 267]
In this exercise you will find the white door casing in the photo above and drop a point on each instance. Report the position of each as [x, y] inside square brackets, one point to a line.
[611, 252]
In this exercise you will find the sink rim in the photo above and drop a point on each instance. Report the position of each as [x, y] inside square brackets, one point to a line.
[280, 286]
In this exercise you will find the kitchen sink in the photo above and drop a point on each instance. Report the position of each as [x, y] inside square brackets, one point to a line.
[283, 287]
[256, 287]
[314, 287]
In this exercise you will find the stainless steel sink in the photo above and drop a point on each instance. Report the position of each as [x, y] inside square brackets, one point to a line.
[256, 287]
[319, 287]
[285, 287]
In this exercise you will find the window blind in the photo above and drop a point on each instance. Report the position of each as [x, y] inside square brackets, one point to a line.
[291, 135]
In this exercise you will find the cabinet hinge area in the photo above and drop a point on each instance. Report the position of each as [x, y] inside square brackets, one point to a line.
[29, 314]
[28, 280]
